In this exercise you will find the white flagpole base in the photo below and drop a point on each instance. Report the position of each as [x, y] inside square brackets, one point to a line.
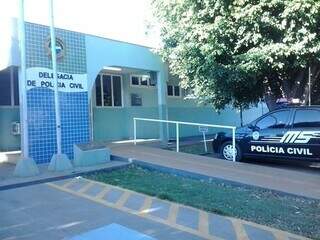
[26, 167]
[60, 162]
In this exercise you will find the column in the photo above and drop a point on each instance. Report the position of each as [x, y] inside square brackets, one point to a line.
[162, 106]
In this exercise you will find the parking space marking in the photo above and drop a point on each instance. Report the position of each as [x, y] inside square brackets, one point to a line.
[146, 207]
[101, 194]
[239, 229]
[173, 212]
[86, 187]
[124, 197]
[203, 221]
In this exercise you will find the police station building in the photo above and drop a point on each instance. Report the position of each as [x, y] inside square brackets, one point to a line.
[103, 84]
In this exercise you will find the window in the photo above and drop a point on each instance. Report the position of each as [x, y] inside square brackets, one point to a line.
[170, 90]
[173, 91]
[135, 80]
[98, 91]
[153, 82]
[307, 118]
[9, 87]
[141, 80]
[176, 91]
[144, 81]
[108, 90]
[275, 120]
[117, 91]
[107, 94]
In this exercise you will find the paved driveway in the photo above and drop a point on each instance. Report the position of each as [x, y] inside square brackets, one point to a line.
[43, 212]
[82, 209]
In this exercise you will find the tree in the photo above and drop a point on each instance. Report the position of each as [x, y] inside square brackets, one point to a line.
[240, 51]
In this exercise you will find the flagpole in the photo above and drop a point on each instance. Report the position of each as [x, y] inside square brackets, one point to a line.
[54, 69]
[25, 166]
[59, 161]
[22, 83]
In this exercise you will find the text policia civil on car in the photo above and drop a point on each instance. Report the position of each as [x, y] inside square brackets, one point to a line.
[292, 137]
[290, 132]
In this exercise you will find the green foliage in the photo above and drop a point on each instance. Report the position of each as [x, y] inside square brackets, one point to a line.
[236, 51]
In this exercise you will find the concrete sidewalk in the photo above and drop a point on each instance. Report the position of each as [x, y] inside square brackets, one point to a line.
[8, 180]
[296, 182]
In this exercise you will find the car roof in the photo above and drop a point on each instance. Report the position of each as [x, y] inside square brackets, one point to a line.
[297, 107]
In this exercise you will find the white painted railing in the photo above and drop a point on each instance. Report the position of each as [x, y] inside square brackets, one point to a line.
[177, 123]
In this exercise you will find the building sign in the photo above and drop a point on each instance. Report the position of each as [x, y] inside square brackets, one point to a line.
[67, 82]
[203, 129]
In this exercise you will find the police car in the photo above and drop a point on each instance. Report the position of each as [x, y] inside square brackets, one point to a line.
[288, 133]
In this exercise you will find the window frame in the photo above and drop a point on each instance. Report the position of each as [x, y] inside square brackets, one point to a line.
[173, 91]
[112, 90]
[12, 92]
[139, 76]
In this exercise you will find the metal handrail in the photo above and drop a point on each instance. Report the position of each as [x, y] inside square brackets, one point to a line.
[177, 123]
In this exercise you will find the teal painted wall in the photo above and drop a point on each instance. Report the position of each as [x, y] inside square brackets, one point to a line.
[208, 115]
[8, 142]
[117, 123]
[188, 110]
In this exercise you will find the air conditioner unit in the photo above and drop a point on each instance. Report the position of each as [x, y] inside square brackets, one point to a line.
[15, 128]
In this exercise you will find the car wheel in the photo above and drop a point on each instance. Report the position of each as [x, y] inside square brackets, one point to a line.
[226, 151]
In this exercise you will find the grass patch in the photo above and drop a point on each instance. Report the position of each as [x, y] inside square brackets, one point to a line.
[195, 148]
[289, 213]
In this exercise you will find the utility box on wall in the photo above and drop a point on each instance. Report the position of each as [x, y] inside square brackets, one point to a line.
[15, 128]
[136, 99]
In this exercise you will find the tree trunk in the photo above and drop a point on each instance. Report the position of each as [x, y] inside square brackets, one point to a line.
[271, 102]
[315, 74]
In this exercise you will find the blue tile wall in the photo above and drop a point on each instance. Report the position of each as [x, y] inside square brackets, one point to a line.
[74, 120]
[41, 119]
[74, 107]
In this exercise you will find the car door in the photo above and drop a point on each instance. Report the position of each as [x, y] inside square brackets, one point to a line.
[303, 138]
[266, 133]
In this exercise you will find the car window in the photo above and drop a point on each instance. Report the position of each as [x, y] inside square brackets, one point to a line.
[274, 120]
[306, 118]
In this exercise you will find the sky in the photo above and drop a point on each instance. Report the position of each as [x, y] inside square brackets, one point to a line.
[124, 20]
